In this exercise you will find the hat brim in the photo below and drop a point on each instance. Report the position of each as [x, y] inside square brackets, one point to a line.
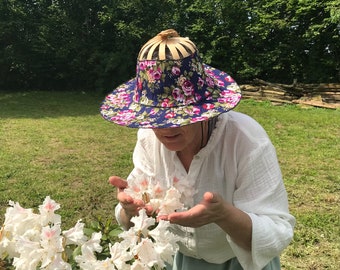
[119, 106]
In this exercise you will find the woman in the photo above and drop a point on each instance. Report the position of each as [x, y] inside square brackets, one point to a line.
[238, 216]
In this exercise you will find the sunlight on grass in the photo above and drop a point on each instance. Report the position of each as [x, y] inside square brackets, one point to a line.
[56, 143]
[308, 146]
[67, 152]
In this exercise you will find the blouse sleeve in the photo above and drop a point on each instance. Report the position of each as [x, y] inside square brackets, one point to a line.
[260, 193]
[141, 161]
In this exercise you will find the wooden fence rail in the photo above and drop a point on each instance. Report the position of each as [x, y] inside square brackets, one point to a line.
[324, 95]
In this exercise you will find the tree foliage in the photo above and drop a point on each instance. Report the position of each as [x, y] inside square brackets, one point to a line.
[93, 44]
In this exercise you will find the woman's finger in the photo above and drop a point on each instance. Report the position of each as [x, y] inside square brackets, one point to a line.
[118, 182]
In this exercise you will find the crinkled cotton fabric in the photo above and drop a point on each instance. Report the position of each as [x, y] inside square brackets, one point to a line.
[240, 163]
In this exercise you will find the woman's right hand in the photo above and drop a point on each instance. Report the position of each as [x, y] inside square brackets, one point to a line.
[129, 205]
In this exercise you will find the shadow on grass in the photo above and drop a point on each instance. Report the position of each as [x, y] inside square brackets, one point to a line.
[46, 104]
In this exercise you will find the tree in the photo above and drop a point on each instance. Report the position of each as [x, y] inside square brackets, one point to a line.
[294, 39]
[93, 44]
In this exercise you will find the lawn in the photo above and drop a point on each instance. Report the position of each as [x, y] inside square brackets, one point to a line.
[57, 144]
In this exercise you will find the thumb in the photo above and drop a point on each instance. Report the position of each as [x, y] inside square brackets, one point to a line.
[118, 182]
[210, 197]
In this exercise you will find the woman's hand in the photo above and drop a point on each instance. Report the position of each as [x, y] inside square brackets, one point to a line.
[205, 212]
[213, 209]
[129, 205]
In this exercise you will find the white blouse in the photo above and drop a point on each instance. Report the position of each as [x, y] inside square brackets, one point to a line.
[240, 163]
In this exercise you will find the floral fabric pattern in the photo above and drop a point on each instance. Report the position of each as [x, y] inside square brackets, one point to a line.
[171, 93]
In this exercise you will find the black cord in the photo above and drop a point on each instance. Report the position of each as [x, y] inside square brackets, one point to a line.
[201, 134]
[211, 126]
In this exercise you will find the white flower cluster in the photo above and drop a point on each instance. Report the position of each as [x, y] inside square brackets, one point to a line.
[36, 241]
[163, 201]
[142, 248]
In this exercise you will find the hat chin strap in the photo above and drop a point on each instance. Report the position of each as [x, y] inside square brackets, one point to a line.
[211, 125]
[201, 135]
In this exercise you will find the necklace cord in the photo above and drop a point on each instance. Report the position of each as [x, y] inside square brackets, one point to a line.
[211, 126]
[201, 134]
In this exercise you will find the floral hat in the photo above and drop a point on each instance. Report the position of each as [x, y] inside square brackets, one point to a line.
[172, 87]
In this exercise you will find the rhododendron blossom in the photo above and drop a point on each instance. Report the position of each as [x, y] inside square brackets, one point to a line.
[153, 246]
[162, 200]
[35, 241]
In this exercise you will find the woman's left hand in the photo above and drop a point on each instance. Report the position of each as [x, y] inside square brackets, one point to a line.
[207, 211]
[213, 209]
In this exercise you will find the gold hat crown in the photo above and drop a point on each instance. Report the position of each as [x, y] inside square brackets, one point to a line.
[167, 45]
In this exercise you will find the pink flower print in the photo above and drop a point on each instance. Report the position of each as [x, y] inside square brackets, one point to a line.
[121, 99]
[190, 100]
[153, 112]
[220, 83]
[188, 88]
[112, 98]
[210, 81]
[198, 119]
[139, 83]
[226, 93]
[123, 118]
[142, 65]
[196, 110]
[170, 115]
[192, 111]
[209, 72]
[176, 70]
[154, 75]
[208, 106]
[136, 96]
[121, 89]
[223, 100]
[166, 103]
[178, 94]
[200, 82]
[229, 79]
[145, 124]
[149, 74]
[150, 63]
[207, 94]
[123, 96]
[228, 97]
[157, 74]
[234, 99]
[198, 97]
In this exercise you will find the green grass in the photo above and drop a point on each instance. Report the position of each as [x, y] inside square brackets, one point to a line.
[308, 147]
[57, 144]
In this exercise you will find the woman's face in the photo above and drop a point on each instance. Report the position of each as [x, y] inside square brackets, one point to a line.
[186, 138]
